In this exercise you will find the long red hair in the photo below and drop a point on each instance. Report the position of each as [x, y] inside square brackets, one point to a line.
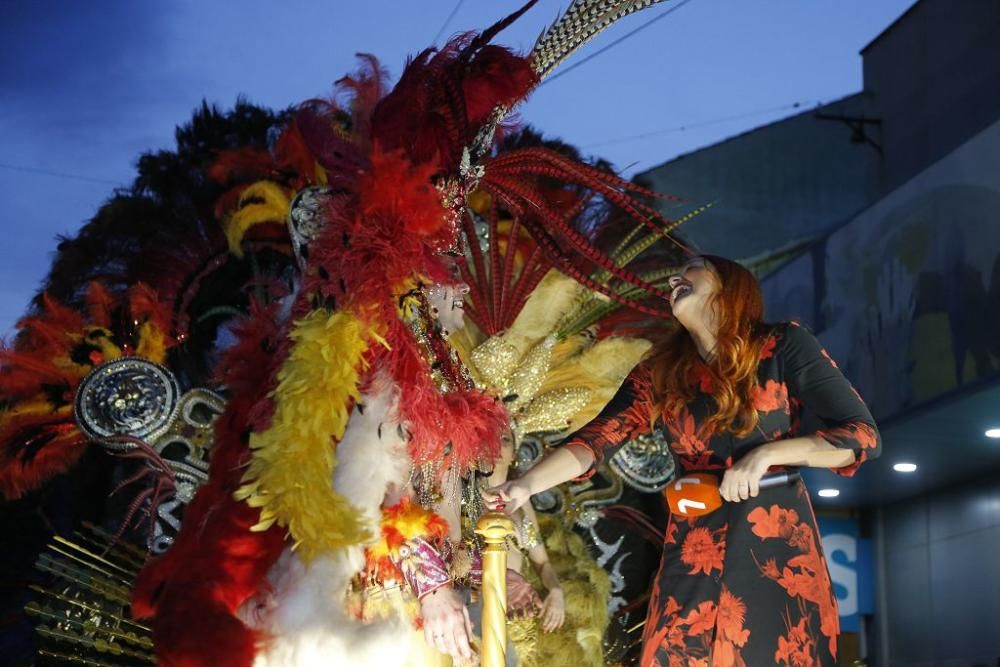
[676, 364]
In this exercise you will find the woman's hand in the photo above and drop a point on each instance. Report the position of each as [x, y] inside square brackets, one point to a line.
[447, 627]
[553, 610]
[522, 598]
[742, 481]
[508, 497]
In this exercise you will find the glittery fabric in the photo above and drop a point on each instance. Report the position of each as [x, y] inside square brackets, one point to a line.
[422, 566]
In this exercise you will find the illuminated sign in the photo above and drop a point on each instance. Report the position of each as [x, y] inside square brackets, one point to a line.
[850, 560]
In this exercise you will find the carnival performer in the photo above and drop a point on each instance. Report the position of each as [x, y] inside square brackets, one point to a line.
[321, 523]
[746, 584]
[420, 511]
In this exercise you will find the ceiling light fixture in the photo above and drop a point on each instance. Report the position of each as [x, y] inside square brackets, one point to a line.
[993, 433]
[905, 467]
[829, 493]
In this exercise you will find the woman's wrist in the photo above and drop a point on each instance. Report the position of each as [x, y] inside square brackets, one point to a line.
[768, 454]
[524, 483]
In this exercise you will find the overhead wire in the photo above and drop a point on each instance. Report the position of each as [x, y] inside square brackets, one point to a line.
[704, 123]
[58, 174]
[615, 43]
[447, 21]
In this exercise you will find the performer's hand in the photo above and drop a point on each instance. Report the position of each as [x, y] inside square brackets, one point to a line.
[522, 598]
[447, 627]
[554, 610]
[742, 481]
[508, 497]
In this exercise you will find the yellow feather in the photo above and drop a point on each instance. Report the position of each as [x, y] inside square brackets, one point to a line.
[290, 472]
[152, 343]
[261, 202]
[586, 587]
[555, 296]
[601, 369]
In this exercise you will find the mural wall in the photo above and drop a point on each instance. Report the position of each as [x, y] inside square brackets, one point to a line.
[914, 311]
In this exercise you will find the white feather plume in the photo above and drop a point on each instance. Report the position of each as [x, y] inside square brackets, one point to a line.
[306, 618]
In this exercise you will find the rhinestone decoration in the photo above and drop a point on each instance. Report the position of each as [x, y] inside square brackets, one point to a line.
[186, 447]
[306, 219]
[127, 396]
[646, 463]
[551, 411]
[527, 379]
[188, 440]
[495, 359]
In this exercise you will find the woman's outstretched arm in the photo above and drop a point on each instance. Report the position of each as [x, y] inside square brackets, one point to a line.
[624, 418]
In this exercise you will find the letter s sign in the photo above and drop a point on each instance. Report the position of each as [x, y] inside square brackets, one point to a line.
[841, 557]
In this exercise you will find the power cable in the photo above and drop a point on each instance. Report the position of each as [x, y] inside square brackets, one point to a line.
[618, 41]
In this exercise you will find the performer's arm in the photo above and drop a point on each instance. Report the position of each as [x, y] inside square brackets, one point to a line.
[554, 607]
[413, 539]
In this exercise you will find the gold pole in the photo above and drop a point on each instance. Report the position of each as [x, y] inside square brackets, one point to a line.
[494, 527]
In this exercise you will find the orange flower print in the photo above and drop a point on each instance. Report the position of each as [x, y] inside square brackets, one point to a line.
[670, 537]
[865, 435]
[651, 643]
[767, 351]
[772, 396]
[775, 522]
[725, 654]
[672, 607]
[701, 552]
[805, 576]
[796, 649]
[828, 358]
[702, 619]
[703, 377]
[731, 616]
[770, 569]
[802, 538]
[687, 440]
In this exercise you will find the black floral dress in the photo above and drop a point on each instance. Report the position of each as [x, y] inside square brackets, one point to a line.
[746, 584]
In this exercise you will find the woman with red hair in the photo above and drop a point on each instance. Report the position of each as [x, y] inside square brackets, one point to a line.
[746, 584]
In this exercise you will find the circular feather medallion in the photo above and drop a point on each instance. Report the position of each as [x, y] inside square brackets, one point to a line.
[127, 396]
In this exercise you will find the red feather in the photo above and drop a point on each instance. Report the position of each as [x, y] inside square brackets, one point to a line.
[40, 375]
[216, 563]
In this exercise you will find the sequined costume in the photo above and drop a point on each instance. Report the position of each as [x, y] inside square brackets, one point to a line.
[279, 262]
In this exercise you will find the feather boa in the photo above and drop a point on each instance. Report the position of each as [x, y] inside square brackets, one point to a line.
[306, 619]
[217, 562]
[294, 459]
[382, 234]
[459, 427]
[260, 202]
[401, 523]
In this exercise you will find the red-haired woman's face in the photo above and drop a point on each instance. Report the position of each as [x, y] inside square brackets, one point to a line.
[691, 292]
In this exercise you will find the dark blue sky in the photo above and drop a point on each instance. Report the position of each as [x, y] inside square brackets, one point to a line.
[86, 87]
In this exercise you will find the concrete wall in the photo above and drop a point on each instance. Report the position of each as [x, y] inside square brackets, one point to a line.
[775, 185]
[933, 78]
